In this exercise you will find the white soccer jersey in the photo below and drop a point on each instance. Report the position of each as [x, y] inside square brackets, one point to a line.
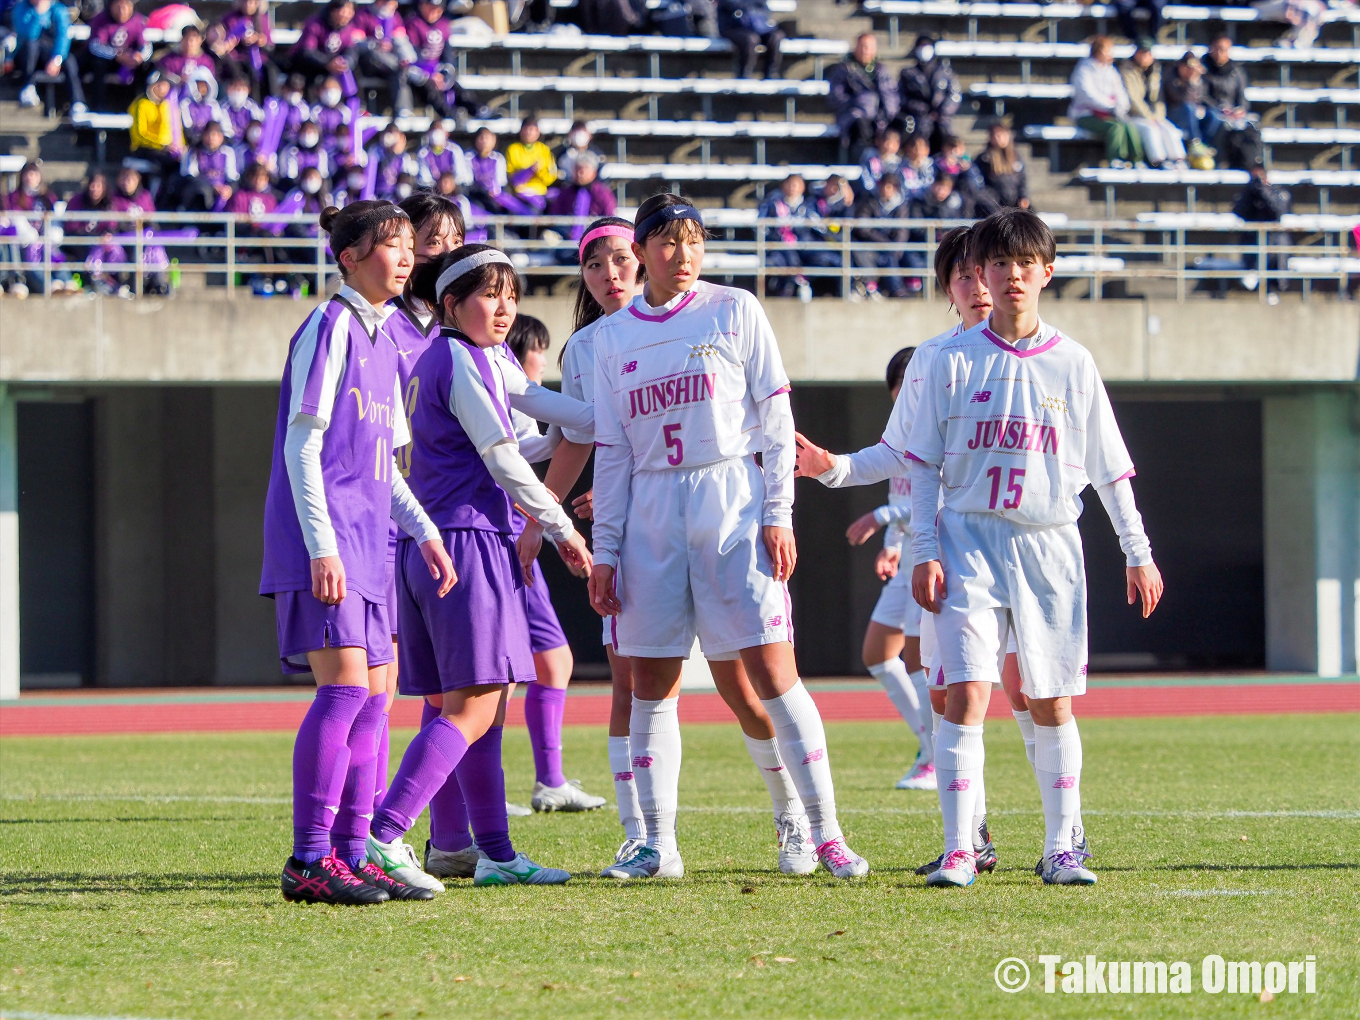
[578, 375]
[898, 429]
[680, 384]
[1017, 431]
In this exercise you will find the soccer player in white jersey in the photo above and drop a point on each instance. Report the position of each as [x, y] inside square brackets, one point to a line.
[1013, 423]
[691, 535]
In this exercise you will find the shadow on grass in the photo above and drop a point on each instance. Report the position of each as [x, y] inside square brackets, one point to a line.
[144, 885]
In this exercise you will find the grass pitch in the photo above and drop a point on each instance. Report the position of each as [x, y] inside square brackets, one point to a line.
[139, 877]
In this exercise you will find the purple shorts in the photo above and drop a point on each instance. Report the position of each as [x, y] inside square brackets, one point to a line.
[305, 624]
[392, 614]
[544, 630]
[476, 634]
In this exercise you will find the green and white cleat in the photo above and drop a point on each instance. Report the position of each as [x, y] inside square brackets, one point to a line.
[627, 848]
[567, 797]
[451, 863]
[520, 871]
[647, 862]
[398, 860]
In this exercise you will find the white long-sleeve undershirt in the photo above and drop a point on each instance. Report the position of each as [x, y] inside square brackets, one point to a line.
[513, 474]
[864, 467]
[613, 482]
[778, 460]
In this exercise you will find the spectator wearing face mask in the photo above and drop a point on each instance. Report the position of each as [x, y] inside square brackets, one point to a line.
[940, 202]
[296, 109]
[579, 139]
[240, 109]
[748, 24]
[929, 92]
[306, 153]
[198, 105]
[352, 187]
[252, 149]
[117, 48]
[332, 114]
[308, 197]
[439, 156]
[388, 161]
[584, 195]
[431, 74]
[209, 171]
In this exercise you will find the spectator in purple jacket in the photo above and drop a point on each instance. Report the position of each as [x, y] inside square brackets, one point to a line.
[328, 45]
[34, 196]
[117, 48]
[585, 196]
[239, 109]
[306, 153]
[198, 105]
[188, 57]
[242, 41]
[386, 52]
[431, 74]
[209, 172]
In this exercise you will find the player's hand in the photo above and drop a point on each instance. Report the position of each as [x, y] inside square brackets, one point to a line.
[436, 557]
[328, 580]
[584, 506]
[887, 562]
[927, 585]
[1145, 582]
[812, 460]
[527, 547]
[862, 530]
[576, 569]
[601, 589]
[574, 553]
[783, 550]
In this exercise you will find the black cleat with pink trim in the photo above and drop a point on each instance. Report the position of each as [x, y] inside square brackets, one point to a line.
[329, 880]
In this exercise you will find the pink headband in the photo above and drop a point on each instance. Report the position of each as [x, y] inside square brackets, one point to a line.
[609, 230]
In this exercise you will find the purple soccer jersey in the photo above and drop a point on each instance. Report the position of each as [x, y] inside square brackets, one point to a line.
[318, 35]
[180, 66]
[412, 342]
[338, 373]
[429, 40]
[108, 38]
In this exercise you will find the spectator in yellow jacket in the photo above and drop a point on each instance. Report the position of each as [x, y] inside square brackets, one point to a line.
[530, 166]
[157, 130]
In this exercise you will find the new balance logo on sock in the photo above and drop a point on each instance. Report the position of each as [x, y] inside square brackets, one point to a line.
[958, 784]
[623, 777]
[1065, 783]
[812, 756]
[642, 763]
[778, 768]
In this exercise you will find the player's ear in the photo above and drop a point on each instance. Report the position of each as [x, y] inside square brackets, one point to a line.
[1048, 273]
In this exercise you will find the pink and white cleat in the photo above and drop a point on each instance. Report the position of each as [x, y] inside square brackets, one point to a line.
[921, 776]
[958, 870]
[840, 860]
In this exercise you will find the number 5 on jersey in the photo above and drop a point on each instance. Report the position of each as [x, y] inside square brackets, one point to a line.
[673, 444]
[1015, 482]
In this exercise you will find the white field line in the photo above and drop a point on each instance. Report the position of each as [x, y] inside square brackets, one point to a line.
[1224, 892]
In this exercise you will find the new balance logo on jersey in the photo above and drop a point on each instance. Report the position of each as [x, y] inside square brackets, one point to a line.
[812, 756]
[630, 367]
[642, 763]
[1065, 782]
[958, 784]
[657, 396]
[1010, 434]
[981, 397]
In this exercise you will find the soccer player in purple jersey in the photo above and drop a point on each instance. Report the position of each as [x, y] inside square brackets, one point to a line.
[692, 536]
[466, 651]
[333, 486]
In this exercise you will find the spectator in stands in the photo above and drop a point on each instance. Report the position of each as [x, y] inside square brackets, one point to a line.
[116, 47]
[1225, 81]
[1188, 107]
[93, 197]
[327, 45]
[917, 169]
[940, 202]
[308, 198]
[883, 159]
[209, 171]
[439, 156]
[253, 148]
[1303, 16]
[157, 132]
[131, 197]
[863, 97]
[188, 57]
[297, 111]
[388, 161]
[244, 43]
[334, 116]
[1262, 202]
[198, 105]
[836, 199]
[254, 198]
[42, 35]
[584, 195]
[241, 111]
[1128, 24]
[386, 51]
[747, 24]
[530, 166]
[1100, 105]
[1002, 171]
[929, 93]
[352, 189]
[791, 203]
[1143, 82]
[953, 161]
[886, 202]
[306, 153]
[34, 196]
[610, 17]
[579, 140]
[431, 75]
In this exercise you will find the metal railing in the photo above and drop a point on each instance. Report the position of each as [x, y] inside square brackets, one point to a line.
[134, 254]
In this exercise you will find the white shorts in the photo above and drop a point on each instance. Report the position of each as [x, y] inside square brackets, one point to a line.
[1001, 575]
[693, 561]
[896, 608]
[930, 651]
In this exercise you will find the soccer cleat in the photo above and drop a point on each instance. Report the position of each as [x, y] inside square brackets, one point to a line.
[451, 863]
[1066, 868]
[627, 848]
[1081, 846]
[519, 871]
[329, 880]
[840, 860]
[372, 875]
[567, 797]
[647, 862]
[797, 855]
[517, 810]
[986, 856]
[398, 860]
[921, 776]
[958, 870]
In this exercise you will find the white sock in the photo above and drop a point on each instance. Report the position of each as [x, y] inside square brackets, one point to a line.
[935, 720]
[1026, 724]
[895, 680]
[1057, 765]
[783, 795]
[654, 742]
[925, 729]
[802, 746]
[959, 758]
[625, 788]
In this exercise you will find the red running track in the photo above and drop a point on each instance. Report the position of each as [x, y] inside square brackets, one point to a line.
[144, 712]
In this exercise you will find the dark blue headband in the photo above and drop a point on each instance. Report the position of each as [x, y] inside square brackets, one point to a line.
[667, 214]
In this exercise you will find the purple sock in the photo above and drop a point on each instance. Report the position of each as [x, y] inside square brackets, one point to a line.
[320, 761]
[483, 782]
[356, 801]
[381, 766]
[428, 762]
[543, 709]
[448, 813]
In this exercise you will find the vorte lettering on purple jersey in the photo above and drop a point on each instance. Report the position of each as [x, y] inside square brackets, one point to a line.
[1011, 434]
[657, 396]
